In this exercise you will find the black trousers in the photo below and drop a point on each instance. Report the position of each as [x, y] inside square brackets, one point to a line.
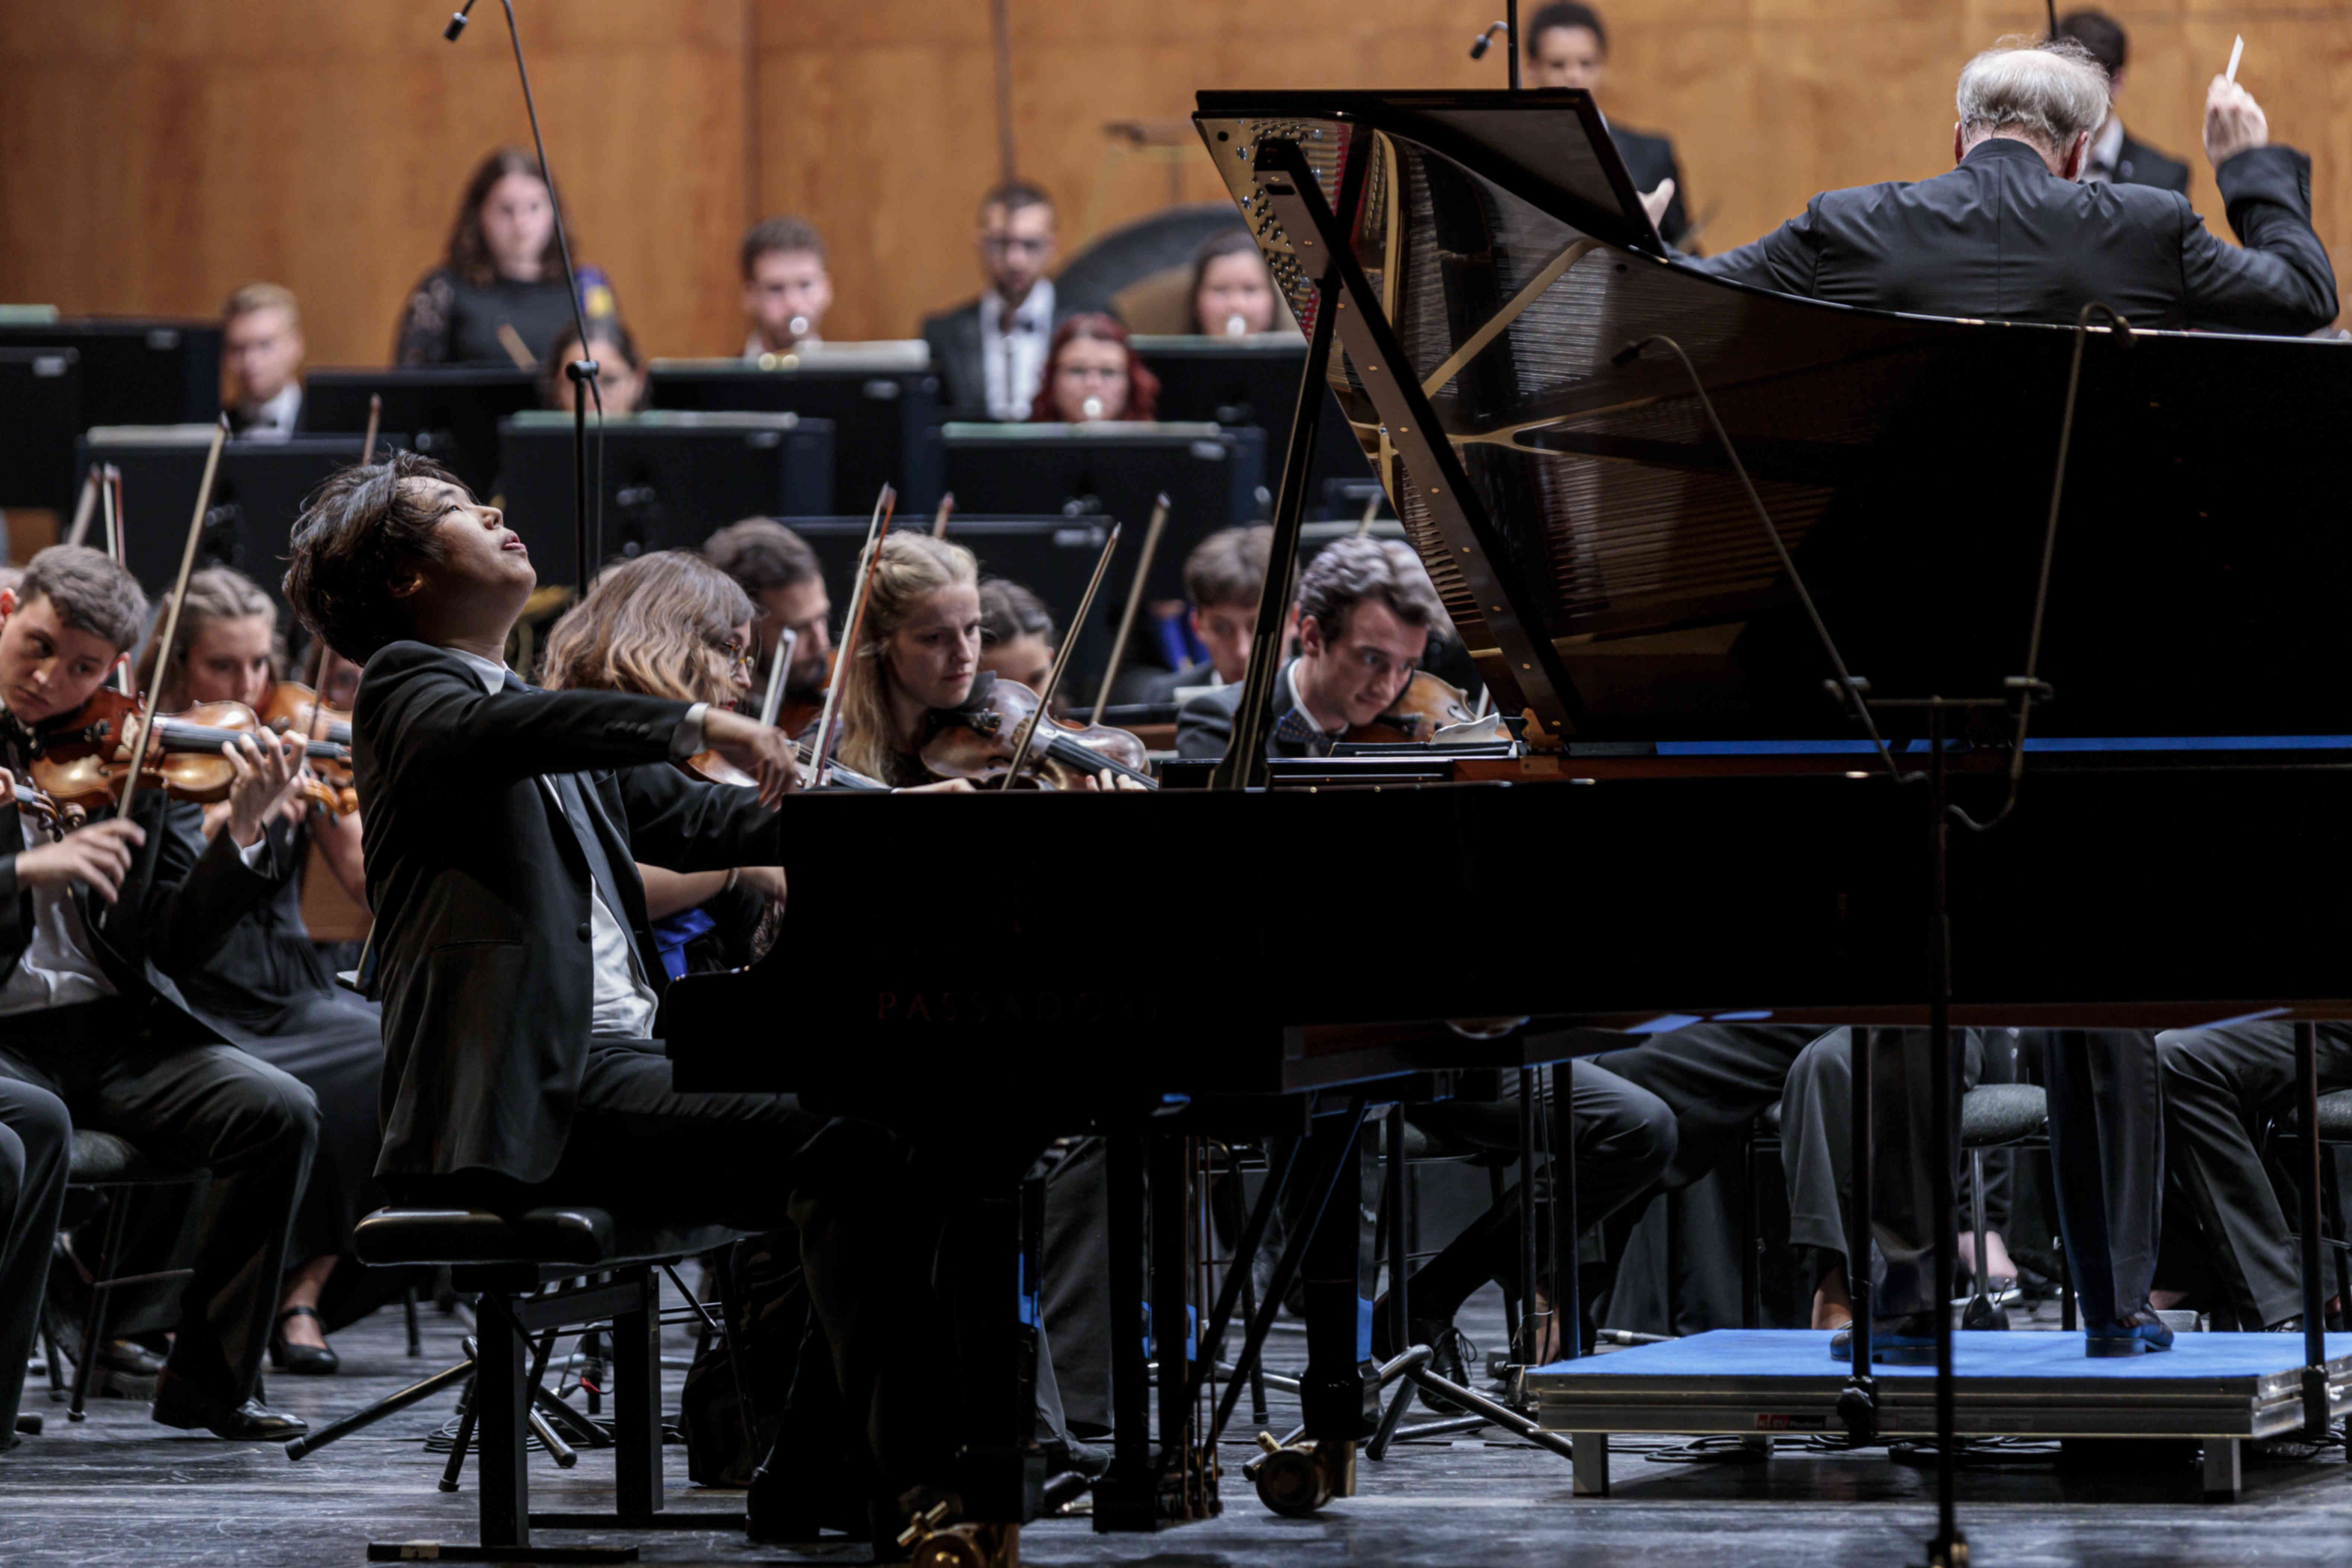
[36, 1146]
[133, 1070]
[334, 1043]
[2106, 1154]
[2220, 1086]
[1074, 1286]
[759, 1163]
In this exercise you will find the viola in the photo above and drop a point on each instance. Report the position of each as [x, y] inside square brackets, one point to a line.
[712, 768]
[293, 709]
[36, 804]
[1430, 708]
[977, 741]
[85, 761]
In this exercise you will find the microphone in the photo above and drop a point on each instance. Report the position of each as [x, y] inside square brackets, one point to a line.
[1478, 46]
[457, 23]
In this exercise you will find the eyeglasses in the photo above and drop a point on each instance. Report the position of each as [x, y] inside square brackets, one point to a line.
[738, 656]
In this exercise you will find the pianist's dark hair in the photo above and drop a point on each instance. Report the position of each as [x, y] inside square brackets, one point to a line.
[1352, 570]
[357, 533]
[1563, 14]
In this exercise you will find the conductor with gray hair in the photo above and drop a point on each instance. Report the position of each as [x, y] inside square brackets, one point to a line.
[2009, 234]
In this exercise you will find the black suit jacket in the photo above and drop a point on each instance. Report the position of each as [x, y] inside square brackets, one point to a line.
[1205, 725]
[954, 340]
[481, 893]
[1650, 158]
[2001, 237]
[2137, 164]
[171, 914]
[1163, 686]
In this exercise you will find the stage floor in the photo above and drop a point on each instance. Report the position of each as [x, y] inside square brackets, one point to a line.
[119, 1490]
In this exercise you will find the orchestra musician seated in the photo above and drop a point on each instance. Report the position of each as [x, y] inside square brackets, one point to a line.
[261, 361]
[518, 974]
[97, 931]
[1223, 577]
[2115, 153]
[1016, 633]
[620, 380]
[989, 353]
[1366, 612]
[498, 296]
[781, 572]
[268, 988]
[1233, 293]
[1568, 46]
[786, 289]
[1092, 373]
[670, 623]
[2008, 235]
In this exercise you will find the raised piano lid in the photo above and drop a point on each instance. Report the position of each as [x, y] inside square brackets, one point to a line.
[1907, 459]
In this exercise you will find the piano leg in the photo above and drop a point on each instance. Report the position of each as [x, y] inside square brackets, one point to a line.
[1339, 1395]
[1125, 1498]
[1001, 1472]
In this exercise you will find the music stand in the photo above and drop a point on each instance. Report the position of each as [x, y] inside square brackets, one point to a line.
[136, 372]
[452, 410]
[41, 410]
[670, 480]
[1213, 478]
[880, 398]
[1254, 381]
[256, 496]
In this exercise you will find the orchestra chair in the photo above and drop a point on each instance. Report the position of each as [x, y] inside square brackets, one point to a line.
[2335, 1134]
[1992, 1116]
[534, 1275]
[104, 1166]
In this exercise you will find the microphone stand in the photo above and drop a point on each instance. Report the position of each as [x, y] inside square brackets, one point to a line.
[587, 539]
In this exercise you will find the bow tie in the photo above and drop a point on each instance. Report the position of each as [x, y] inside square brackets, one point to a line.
[1296, 728]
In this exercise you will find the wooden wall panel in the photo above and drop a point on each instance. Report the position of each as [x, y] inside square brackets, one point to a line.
[154, 153]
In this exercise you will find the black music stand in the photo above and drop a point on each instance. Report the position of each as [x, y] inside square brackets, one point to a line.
[40, 412]
[881, 399]
[135, 371]
[670, 480]
[452, 410]
[1254, 381]
[1213, 477]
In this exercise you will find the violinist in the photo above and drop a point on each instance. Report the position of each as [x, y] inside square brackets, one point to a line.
[669, 623]
[917, 653]
[95, 932]
[780, 572]
[1016, 633]
[269, 987]
[1366, 612]
[1222, 579]
[519, 977]
[36, 1150]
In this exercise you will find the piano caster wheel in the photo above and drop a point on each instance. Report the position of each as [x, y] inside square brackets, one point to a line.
[937, 1544]
[1293, 1483]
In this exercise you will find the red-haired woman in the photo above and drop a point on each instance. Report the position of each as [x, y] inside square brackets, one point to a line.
[1092, 373]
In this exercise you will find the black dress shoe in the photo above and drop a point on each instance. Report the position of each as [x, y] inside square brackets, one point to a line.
[308, 1360]
[126, 1358]
[1447, 1357]
[2137, 1332]
[182, 1404]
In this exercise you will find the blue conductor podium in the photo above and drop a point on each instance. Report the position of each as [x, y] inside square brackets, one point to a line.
[2221, 1389]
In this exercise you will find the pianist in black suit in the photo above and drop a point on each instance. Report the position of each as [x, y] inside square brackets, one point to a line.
[520, 976]
[1568, 46]
[2009, 234]
[2116, 153]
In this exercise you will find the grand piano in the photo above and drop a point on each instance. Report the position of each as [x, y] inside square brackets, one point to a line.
[1694, 824]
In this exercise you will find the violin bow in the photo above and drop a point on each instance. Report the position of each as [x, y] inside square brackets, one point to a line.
[1061, 661]
[84, 504]
[883, 505]
[1371, 511]
[778, 662]
[145, 721]
[939, 517]
[1134, 600]
[375, 418]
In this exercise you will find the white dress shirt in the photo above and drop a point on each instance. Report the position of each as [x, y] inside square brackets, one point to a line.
[620, 1003]
[1013, 354]
[59, 967]
[273, 420]
[2105, 151]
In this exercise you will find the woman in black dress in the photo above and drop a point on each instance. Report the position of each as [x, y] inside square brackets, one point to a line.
[498, 296]
[269, 989]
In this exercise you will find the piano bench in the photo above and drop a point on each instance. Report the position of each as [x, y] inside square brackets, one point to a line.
[602, 1267]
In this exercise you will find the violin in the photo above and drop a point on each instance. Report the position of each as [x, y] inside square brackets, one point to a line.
[293, 709]
[977, 741]
[1430, 708]
[84, 761]
[35, 804]
[712, 768]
